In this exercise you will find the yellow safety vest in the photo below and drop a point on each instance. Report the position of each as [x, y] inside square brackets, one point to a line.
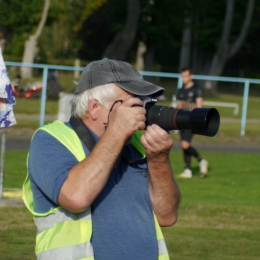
[60, 233]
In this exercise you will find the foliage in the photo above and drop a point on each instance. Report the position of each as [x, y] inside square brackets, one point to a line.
[90, 7]
[161, 28]
[56, 39]
[19, 18]
[100, 28]
[84, 29]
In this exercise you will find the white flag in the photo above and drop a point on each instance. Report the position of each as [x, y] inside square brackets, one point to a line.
[7, 99]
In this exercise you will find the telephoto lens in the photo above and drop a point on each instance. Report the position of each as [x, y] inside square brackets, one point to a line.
[201, 121]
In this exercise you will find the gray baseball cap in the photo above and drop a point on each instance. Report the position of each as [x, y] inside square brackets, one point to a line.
[121, 73]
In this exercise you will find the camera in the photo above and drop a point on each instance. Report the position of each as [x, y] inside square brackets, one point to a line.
[201, 121]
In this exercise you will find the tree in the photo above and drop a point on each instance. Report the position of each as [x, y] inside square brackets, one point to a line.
[159, 28]
[122, 42]
[226, 50]
[17, 18]
[58, 39]
[186, 43]
[30, 49]
[86, 30]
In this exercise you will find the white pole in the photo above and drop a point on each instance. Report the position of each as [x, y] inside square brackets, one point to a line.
[76, 65]
[64, 106]
[2, 165]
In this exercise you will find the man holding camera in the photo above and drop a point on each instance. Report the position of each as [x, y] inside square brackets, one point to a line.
[190, 97]
[97, 187]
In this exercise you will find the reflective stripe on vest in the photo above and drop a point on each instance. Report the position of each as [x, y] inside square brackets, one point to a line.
[68, 253]
[162, 248]
[62, 234]
[60, 216]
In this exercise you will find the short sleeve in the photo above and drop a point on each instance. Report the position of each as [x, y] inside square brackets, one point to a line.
[49, 163]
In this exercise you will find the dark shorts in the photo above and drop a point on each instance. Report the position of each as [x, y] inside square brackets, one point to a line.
[186, 135]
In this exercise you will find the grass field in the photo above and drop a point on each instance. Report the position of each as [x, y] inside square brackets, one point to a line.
[218, 215]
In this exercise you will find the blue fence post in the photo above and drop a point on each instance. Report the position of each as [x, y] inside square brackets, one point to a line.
[43, 97]
[179, 82]
[244, 109]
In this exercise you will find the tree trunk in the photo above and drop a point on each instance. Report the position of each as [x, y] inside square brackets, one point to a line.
[221, 54]
[186, 44]
[148, 61]
[6, 34]
[139, 63]
[225, 50]
[2, 44]
[216, 68]
[30, 49]
[198, 61]
[121, 44]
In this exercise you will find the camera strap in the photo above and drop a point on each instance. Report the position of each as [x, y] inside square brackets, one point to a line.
[85, 136]
[83, 132]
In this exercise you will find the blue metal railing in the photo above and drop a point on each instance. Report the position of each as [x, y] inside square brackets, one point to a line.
[46, 67]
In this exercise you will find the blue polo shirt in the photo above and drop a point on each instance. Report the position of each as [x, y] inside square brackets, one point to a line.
[122, 216]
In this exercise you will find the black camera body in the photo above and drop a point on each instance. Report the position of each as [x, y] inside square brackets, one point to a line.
[201, 121]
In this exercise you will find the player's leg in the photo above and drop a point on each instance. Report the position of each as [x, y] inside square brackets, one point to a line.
[202, 162]
[185, 144]
[189, 151]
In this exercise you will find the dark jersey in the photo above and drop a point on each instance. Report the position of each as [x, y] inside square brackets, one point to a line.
[188, 96]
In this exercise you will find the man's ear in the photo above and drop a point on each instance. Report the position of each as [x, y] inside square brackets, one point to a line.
[93, 109]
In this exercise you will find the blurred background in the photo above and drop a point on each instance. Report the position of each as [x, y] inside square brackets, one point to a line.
[219, 40]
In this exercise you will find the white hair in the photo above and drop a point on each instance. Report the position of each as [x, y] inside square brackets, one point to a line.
[105, 94]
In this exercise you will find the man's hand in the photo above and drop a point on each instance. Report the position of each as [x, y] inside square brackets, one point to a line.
[127, 117]
[164, 191]
[157, 143]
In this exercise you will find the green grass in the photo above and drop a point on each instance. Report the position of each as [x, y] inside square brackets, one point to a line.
[230, 133]
[29, 123]
[17, 234]
[218, 215]
[233, 179]
[15, 168]
[33, 106]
